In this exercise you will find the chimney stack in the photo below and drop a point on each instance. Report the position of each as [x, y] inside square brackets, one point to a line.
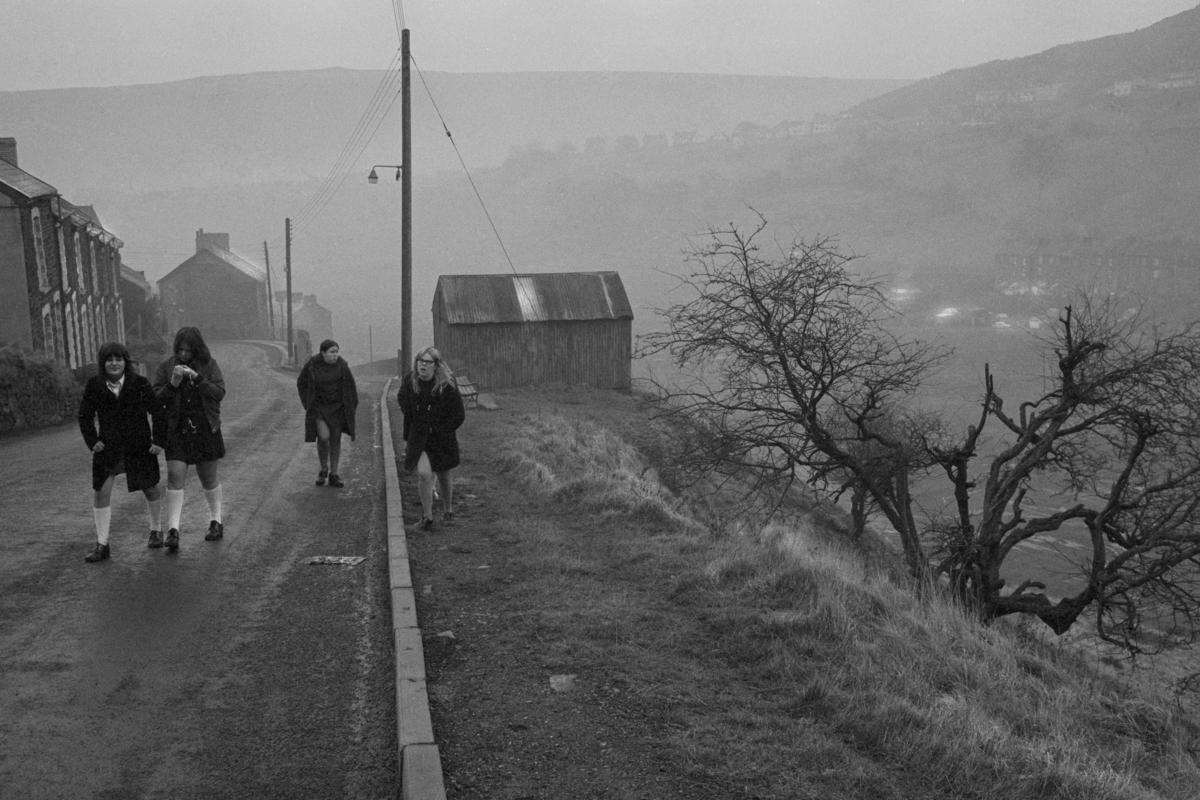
[208, 241]
[8, 150]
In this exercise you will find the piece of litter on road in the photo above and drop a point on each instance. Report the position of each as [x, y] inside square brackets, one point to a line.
[562, 683]
[347, 560]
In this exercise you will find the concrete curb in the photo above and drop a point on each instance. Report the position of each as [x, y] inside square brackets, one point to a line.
[419, 759]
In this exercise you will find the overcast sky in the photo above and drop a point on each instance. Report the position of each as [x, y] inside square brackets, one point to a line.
[48, 44]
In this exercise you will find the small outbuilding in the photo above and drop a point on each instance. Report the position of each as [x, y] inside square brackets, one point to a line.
[505, 331]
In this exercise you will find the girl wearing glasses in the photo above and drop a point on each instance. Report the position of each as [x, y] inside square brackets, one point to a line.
[433, 410]
[191, 387]
[330, 398]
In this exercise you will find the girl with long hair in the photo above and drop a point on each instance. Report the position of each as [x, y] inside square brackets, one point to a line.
[190, 385]
[433, 412]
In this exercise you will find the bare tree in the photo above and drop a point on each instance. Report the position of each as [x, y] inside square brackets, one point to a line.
[1117, 429]
[792, 367]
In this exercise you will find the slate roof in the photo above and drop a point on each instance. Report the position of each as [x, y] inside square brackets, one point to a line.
[247, 268]
[24, 183]
[537, 297]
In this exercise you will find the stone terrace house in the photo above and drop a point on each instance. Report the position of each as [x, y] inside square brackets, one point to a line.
[312, 323]
[137, 295]
[217, 291]
[59, 270]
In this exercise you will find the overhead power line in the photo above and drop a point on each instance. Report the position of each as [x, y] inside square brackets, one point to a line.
[364, 131]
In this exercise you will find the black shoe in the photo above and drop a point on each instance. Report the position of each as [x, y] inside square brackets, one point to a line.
[215, 531]
[99, 553]
[447, 516]
[172, 540]
[334, 481]
[155, 539]
[321, 476]
[426, 524]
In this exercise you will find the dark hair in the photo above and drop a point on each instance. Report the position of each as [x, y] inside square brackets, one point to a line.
[190, 337]
[109, 349]
[328, 343]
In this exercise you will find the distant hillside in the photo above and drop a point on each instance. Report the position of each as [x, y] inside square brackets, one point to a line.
[928, 182]
[1082, 70]
[282, 126]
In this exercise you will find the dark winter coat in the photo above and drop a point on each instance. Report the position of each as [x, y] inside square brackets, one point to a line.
[306, 385]
[430, 422]
[210, 384]
[129, 424]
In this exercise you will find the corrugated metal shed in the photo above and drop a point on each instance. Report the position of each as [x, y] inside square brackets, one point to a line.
[523, 330]
[24, 183]
[544, 297]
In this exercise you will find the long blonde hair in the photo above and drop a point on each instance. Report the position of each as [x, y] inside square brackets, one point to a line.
[443, 376]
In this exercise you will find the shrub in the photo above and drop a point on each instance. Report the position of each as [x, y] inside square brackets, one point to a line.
[35, 391]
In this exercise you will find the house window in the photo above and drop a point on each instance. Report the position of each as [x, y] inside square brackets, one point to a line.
[49, 340]
[75, 337]
[64, 275]
[39, 252]
[97, 289]
[79, 285]
[60, 330]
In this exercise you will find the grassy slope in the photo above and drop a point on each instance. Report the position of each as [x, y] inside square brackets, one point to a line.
[713, 657]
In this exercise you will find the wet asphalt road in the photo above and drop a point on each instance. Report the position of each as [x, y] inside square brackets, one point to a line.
[233, 669]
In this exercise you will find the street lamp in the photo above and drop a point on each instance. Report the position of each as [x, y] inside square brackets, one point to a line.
[374, 176]
[405, 353]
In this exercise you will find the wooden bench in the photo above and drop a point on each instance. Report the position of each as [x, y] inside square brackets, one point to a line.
[468, 390]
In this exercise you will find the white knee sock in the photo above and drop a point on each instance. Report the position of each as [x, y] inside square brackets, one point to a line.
[103, 517]
[154, 513]
[213, 496]
[174, 507]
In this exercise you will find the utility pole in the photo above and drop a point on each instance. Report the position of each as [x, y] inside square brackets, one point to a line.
[406, 353]
[270, 294]
[287, 268]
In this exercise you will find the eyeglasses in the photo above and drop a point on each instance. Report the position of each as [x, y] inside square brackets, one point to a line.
[426, 360]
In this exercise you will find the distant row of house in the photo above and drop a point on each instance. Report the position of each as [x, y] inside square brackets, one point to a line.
[984, 108]
[64, 289]
[742, 133]
[1130, 266]
[1184, 79]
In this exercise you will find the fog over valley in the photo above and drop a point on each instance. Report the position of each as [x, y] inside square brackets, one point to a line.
[1087, 148]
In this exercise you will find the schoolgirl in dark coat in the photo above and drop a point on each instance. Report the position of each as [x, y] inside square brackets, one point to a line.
[330, 399]
[433, 411]
[122, 424]
[191, 386]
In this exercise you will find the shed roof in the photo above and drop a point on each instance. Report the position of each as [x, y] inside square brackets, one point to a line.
[24, 183]
[535, 297]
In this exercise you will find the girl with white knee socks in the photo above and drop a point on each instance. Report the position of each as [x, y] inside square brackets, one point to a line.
[190, 385]
[124, 440]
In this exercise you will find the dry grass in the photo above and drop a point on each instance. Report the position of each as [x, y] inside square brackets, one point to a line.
[792, 665]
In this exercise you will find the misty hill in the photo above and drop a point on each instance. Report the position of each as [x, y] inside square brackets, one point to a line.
[284, 126]
[927, 182]
[1081, 70]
